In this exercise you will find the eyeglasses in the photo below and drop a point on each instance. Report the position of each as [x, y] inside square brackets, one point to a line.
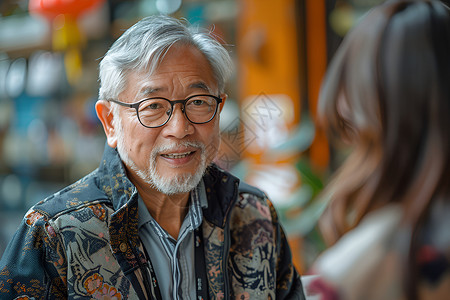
[156, 112]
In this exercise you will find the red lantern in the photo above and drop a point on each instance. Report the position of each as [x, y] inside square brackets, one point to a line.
[53, 8]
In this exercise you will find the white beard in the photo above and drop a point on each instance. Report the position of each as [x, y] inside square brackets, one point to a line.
[179, 183]
[176, 184]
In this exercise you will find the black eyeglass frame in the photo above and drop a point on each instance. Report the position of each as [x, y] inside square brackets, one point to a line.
[135, 105]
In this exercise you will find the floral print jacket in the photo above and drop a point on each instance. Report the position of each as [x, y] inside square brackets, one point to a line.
[83, 243]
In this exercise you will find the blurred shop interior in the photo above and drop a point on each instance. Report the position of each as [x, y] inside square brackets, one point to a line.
[50, 135]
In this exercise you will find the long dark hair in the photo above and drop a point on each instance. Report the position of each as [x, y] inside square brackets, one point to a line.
[387, 93]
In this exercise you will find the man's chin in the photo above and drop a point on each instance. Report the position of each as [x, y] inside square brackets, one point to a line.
[176, 185]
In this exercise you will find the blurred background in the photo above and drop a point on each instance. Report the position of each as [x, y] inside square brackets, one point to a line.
[50, 135]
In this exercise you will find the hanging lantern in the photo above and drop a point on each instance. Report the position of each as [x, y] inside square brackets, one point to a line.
[53, 8]
[66, 36]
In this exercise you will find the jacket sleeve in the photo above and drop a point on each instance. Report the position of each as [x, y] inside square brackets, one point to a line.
[289, 285]
[28, 265]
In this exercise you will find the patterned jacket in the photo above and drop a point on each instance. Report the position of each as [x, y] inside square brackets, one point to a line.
[82, 243]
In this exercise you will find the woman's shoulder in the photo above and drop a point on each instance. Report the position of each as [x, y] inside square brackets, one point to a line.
[363, 263]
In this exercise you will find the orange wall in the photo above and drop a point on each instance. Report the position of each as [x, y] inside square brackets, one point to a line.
[316, 44]
[267, 49]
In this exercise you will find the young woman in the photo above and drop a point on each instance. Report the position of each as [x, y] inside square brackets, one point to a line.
[387, 94]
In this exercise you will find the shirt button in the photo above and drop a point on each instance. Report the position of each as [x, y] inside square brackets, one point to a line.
[123, 247]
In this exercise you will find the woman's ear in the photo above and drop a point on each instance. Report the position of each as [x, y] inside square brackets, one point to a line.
[106, 116]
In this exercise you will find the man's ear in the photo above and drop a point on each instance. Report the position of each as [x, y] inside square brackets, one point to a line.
[224, 98]
[104, 113]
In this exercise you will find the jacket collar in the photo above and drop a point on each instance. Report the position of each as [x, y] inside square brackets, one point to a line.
[222, 192]
[113, 178]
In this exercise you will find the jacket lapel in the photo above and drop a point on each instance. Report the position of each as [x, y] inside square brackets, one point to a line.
[123, 226]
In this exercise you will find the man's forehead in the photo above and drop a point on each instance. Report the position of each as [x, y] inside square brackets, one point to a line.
[152, 89]
[146, 83]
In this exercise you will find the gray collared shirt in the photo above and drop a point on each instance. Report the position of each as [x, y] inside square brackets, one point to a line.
[174, 260]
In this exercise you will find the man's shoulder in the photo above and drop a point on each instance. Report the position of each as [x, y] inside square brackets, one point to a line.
[217, 177]
[252, 205]
[249, 190]
[227, 194]
[84, 192]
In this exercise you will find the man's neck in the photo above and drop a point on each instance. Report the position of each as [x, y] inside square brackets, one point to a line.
[168, 210]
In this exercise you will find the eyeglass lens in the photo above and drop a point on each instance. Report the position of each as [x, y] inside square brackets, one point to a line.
[155, 112]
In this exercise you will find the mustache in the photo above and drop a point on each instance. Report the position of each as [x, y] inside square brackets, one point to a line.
[167, 147]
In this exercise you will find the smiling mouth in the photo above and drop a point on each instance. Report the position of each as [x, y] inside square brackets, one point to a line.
[177, 155]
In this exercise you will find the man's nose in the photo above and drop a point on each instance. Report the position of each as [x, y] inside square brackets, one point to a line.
[178, 126]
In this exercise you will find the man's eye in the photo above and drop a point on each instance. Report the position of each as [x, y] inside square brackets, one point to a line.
[198, 102]
[154, 106]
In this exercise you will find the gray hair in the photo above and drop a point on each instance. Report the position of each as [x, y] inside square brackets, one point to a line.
[143, 46]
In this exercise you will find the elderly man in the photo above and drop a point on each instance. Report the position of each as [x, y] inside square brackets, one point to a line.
[157, 219]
